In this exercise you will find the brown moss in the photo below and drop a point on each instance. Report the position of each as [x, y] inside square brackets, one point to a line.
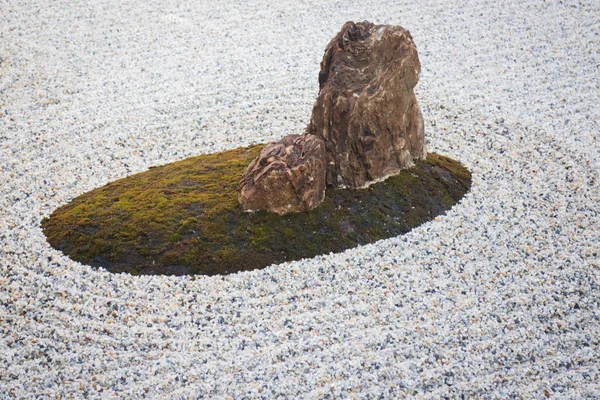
[183, 218]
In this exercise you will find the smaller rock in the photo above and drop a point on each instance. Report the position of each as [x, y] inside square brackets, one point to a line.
[287, 176]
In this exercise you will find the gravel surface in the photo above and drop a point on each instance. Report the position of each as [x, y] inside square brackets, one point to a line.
[500, 298]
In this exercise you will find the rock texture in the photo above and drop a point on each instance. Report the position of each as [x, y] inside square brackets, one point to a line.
[366, 111]
[287, 176]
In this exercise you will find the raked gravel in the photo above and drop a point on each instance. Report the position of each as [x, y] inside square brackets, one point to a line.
[500, 298]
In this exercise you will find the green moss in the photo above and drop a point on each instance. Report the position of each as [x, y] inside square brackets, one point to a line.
[184, 218]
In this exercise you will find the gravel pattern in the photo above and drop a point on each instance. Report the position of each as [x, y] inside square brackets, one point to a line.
[500, 298]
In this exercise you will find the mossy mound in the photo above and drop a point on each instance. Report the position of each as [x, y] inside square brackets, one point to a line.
[184, 218]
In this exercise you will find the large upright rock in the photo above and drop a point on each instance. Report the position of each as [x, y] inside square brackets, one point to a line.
[287, 176]
[366, 111]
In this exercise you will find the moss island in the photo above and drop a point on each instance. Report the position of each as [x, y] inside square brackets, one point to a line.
[184, 218]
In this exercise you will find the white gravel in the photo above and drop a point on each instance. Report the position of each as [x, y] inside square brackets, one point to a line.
[500, 298]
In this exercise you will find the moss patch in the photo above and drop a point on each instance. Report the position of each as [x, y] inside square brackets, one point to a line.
[184, 218]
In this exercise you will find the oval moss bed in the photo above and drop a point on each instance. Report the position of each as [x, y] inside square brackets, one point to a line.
[184, 218]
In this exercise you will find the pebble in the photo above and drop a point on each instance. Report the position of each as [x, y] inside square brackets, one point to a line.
[498, 298]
